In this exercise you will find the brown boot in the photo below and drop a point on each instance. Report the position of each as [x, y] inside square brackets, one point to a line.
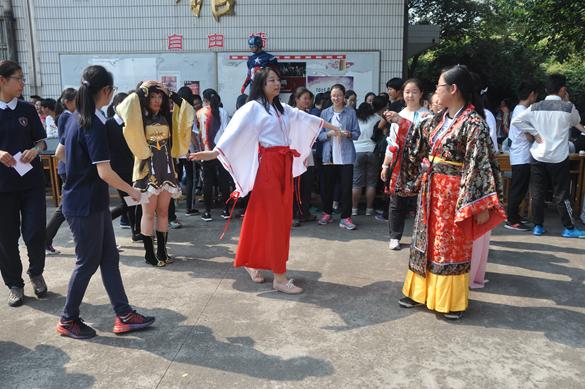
[161, 240]
[149, 256]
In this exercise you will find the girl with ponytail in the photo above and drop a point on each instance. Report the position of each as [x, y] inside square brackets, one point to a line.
[156, 137]
[211, 121]
[86, 204]
[460, 193]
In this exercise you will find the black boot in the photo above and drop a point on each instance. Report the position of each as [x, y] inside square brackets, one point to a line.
[150, 257]
[161, 253]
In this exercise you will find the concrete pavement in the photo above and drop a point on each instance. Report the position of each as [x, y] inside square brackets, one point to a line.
[215, 328]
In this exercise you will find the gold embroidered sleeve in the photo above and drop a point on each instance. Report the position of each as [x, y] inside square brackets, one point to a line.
[182, 126]
[130, 112]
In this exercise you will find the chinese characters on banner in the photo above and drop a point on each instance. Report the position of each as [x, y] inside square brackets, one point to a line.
[215, 40]
[175, 42]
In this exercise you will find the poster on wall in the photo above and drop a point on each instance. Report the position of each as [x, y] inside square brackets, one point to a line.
[193, 85]
[322, 84]
[292, 76]
[170, 79]
[317, 71]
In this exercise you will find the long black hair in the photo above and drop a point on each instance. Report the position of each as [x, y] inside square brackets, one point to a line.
[257, 92]
[116, 100]
[186, 94]
[213, 98]
[93, 80]
[459, 75]
[364, 112]
[67, 94]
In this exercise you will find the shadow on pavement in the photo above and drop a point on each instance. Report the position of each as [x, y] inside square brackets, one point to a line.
[38, 368]
[195, 345]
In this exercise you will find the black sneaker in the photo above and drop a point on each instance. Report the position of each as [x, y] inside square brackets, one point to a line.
[225, 214]
[76, 329]
[296, 223]
[138, 238]
[192, 212]
[407, 302]
[517, 227]
[206, 217]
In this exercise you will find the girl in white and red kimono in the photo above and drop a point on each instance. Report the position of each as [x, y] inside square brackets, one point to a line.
[460, 189]
[263, 147]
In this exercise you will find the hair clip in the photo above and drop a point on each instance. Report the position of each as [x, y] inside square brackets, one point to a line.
[86, 83]
[483, 91]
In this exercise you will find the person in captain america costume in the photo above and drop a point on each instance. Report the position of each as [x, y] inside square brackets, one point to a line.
[258, 60]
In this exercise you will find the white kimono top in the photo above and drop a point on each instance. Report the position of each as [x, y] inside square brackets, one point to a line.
[251, 126]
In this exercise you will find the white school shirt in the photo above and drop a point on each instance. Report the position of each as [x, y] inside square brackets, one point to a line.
[520, 148]
[336, 158]
[251, 127]
[413, 117]
[365, 144]
[491, 122]
[552, 119]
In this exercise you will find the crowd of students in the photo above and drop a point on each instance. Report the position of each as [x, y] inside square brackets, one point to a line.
[412, 147]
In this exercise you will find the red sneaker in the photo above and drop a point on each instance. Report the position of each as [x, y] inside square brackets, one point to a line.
[75, 328]
[132, 321]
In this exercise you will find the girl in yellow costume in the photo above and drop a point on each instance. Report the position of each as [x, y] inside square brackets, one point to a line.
[459, 188]
[155, 138]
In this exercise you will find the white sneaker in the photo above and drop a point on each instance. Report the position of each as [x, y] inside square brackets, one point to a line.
[354, 212]
[394, 244]
[370, 212]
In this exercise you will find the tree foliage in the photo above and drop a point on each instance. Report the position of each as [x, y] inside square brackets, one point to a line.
[489, 36]
[557, 27]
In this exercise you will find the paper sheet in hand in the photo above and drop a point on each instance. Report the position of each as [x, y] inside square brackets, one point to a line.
[21, 168]
[143, 200]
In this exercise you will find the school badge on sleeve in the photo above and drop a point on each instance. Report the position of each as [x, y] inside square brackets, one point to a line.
[23, 121]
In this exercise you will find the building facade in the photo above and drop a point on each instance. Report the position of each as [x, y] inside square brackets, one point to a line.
[50, 33]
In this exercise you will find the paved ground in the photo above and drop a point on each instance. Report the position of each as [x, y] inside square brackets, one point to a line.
[217, 329]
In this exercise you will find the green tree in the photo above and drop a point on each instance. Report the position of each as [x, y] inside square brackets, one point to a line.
[556, 27]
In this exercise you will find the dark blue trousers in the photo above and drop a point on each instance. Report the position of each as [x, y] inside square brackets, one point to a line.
[31, 204]
[95, 246]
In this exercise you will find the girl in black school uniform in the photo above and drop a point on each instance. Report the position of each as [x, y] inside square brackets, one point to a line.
[84, 149]
[63, 110]
[21, 130]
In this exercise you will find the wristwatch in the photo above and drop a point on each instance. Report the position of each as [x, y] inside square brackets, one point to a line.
[144, 89]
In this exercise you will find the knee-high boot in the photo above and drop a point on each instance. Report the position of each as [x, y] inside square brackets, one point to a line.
[161, 240]
[150, 256]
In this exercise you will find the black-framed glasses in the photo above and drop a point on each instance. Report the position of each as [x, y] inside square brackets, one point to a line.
[114, 88]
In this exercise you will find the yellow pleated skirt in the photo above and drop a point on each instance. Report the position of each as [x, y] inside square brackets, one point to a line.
[439, 293]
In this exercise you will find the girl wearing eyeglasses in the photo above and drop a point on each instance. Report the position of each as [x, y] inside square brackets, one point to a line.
[460, 192]
[22, 197]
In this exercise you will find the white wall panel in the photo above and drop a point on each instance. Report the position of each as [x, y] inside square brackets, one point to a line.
[142, 26]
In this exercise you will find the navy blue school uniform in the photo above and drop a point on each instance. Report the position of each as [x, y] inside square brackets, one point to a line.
[86, 206]
[21, 196]
[60, 130]
[58, 218]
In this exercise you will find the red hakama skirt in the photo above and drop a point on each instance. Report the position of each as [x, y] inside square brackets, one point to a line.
[265, 235]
